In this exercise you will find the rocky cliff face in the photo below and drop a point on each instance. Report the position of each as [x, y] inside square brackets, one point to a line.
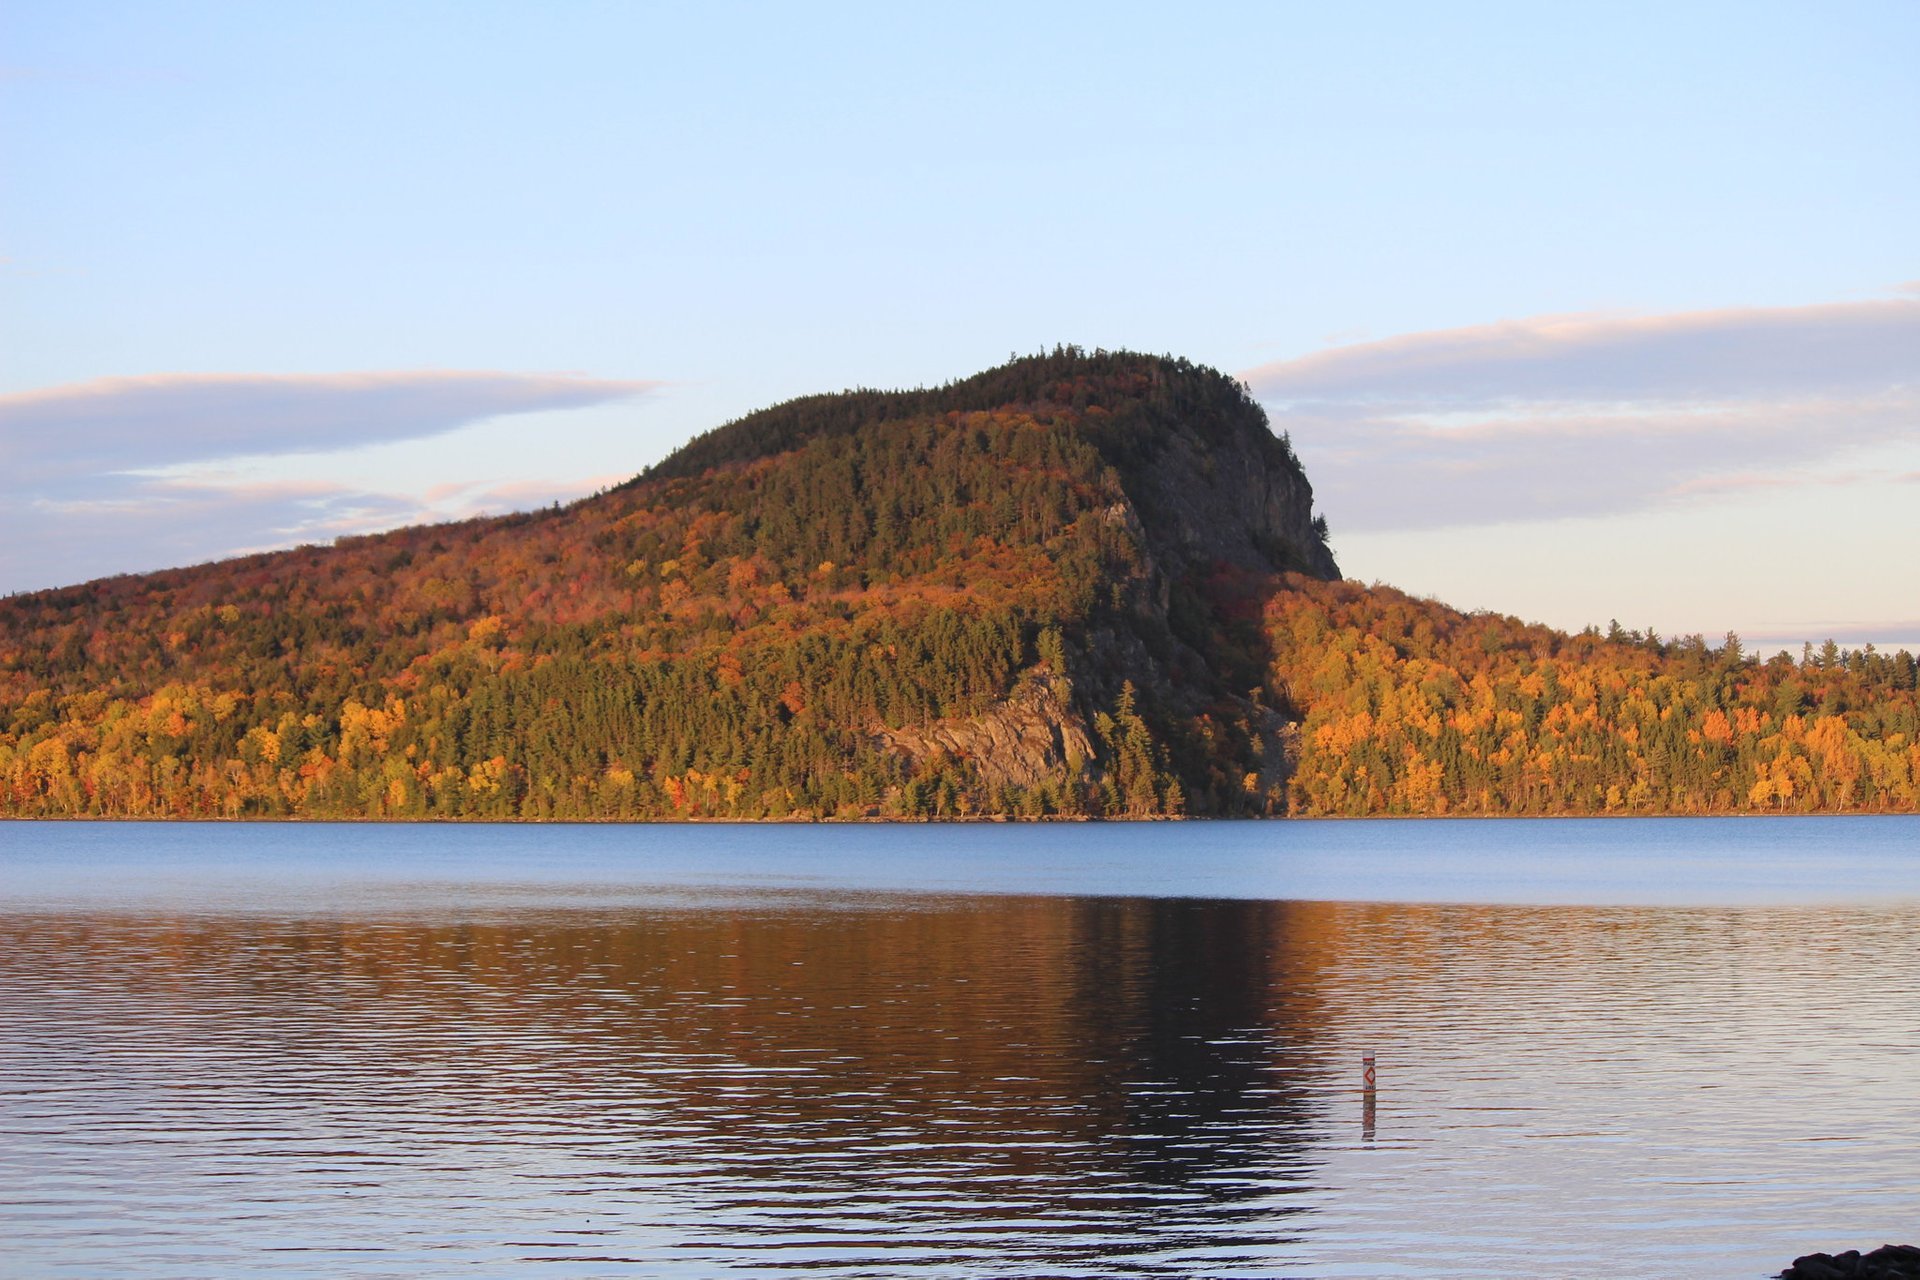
[1207, 490]
[1239, 498]
[1035, 734]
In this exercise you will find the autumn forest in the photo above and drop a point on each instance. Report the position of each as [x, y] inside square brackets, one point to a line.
[1078, 585]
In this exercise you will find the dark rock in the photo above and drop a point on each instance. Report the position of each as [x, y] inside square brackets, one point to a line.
[1814, 1266]
[1888, 1262]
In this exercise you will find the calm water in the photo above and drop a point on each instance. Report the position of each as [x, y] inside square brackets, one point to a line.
[1631, 1047]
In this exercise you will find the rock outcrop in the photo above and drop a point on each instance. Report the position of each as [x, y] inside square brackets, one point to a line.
[1238, 498]
[1888, 1262]
[1033, 735]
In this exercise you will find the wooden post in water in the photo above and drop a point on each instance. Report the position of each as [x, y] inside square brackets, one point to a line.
[1369, 1081]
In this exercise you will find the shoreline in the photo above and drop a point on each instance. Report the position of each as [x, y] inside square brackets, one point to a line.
[974, 821]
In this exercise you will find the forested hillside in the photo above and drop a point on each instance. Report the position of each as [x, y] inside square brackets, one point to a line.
[1076, 585]
[1413, 708]
[780, 621]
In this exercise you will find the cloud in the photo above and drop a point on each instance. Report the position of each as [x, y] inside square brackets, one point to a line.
[139, 523]
[124, 424]
[1761, 481]
[1589, 415]
[1742, 353]
[127, 474]
[47, 542]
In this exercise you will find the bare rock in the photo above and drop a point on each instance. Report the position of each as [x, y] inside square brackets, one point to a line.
[1031, 735]
[1888, 1262]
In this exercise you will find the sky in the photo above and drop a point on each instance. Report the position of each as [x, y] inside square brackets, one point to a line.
[1574, 312]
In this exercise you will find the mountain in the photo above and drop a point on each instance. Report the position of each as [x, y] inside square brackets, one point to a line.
[1080, 584]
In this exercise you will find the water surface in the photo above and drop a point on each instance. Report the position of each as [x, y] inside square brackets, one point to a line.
[1603, 1048]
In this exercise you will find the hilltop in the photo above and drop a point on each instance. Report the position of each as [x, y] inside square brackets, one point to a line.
[1078, 585]
[982, 598]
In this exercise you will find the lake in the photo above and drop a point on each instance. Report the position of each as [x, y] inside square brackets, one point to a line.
[1620, 1047]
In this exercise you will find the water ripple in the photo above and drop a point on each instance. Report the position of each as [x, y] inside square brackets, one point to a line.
[1022, 1087]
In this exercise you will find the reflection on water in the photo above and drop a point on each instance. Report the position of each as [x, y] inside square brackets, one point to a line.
[1041, 1083]
[857, 1085]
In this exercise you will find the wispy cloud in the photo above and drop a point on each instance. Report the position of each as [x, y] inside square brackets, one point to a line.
[156, 522]
[139, 473]
[1585, 415]
[123, 424]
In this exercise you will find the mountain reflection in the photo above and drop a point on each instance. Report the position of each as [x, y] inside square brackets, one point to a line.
[740, 1082]
[988, 1084]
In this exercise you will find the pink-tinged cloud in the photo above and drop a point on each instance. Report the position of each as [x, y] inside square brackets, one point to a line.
[458, 501]
[1591, 415]
[1761, 481]
[136, 523]
[1739, 353]
[124, 473]
[122, 424]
